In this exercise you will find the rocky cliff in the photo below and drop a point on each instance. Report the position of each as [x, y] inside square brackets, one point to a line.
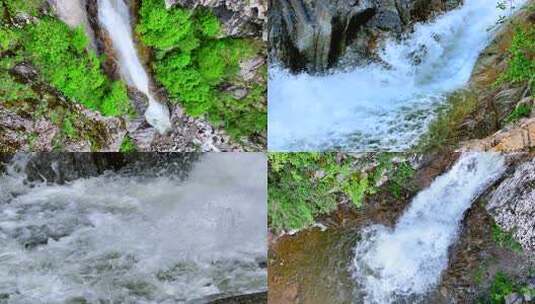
[312, 35]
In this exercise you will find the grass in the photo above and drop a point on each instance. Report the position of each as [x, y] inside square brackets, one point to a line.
[502, 286]
[518, 113]
[445, 130]
[304, 186]
[191, 62]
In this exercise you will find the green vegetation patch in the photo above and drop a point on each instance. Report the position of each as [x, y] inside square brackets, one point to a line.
[502, 286]
[303, 186]
[446, 129]
[505, 239]
[519, 112]
[128, 145]
[191, 62]
[62, 57]
[521, 62]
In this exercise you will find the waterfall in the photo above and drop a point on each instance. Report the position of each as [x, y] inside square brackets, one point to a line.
[407, 261]
[115, 17]
[121, 238]
[382, 106]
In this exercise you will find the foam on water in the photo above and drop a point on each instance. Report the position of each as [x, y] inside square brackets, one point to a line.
[377, 107]
[129, 239]
[115, 17]
[406, 262]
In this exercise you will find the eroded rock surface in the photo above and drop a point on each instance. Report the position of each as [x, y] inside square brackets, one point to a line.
[312, 35]
[513, 205]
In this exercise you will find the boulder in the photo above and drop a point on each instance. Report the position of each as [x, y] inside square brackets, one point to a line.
[313, 35]
[512, 205]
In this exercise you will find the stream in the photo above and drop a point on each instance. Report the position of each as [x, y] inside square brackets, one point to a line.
[406, 262]
[382, 106]
[389, 251]
[115, 17]
[129, 237]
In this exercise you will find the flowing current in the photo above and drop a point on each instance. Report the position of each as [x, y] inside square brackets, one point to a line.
[120, 238]
[375, 107]
[406, 262]
[115, 17]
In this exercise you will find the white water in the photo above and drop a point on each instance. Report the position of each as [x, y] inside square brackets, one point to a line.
[133, 239]
[407, 261]
[374, 107]
[115, 17]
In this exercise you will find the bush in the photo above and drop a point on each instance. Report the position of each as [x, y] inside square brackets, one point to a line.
[191, 62]
[63, 59]
[521, 61]
[303, 186]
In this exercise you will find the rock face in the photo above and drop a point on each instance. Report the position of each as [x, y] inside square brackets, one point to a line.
[312, 34]
[512, 205]
[65, 167]
[516, 138]
[239, 17]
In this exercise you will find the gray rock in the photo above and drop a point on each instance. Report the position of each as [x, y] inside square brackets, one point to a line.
[514, 298]
[312, 35]
[512, 205]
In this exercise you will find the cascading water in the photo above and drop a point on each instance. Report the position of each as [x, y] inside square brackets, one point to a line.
[377, 107]
[406, 262]
[115, 17]
[122, 238]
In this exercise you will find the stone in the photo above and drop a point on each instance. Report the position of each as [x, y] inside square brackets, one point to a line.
[516, 138]
[511, 205]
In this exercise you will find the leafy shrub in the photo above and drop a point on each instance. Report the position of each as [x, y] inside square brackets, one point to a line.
[521, 61]
[303, 186]
[191, 62]
[63, 59]
[15, 7]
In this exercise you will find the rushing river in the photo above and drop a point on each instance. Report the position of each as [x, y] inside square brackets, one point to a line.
[382, 106]
[402, 264]
[114, 15]
[125, 237]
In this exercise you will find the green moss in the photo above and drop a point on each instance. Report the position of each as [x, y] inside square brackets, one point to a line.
[191, 63]
[505, 239]
[68, 128]
[128, 145]
[502, 286]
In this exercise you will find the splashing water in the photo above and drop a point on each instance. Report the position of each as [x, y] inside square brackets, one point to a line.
[134, 239]
[115, 17]
[375, 107]
[407, 261]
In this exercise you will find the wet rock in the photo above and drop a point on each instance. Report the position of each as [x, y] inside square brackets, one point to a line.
[511, 205]
[239, 18]
[313, 35]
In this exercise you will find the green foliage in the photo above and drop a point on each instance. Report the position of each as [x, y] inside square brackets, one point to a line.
[500, 288]
[521, 61]
[68, 128]
[518, 113]
[12, 91]
[63, 59]
[15, 7]
[128, 145]
[505, 239]
[191, 63]
[303, 186]
[399, 179]
[8, 38]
